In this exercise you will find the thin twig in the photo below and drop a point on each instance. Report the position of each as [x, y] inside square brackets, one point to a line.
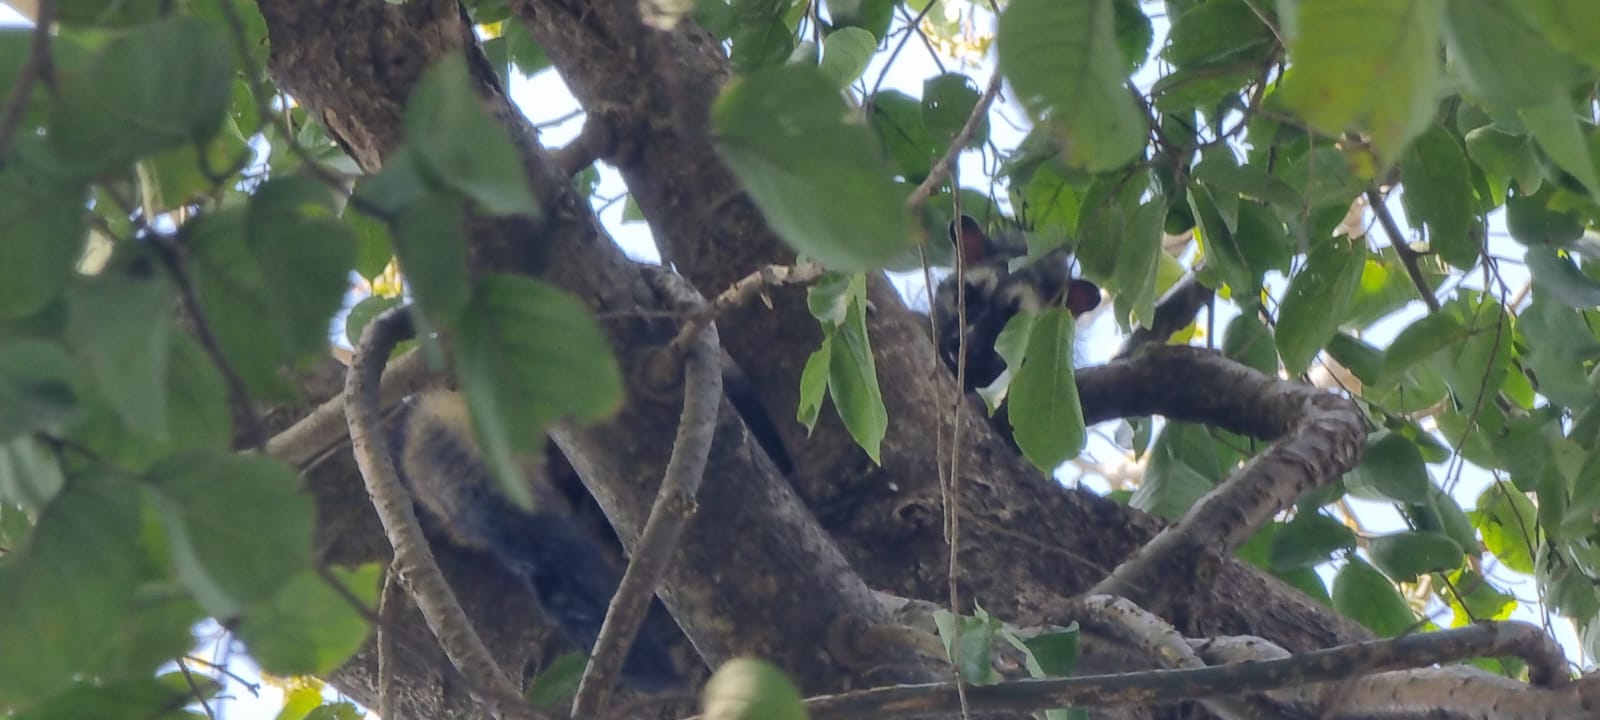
[171, 254]
[738, 293]
[36, 67]
[1397, 240]
[194, 689]
[941, 169]
[674, 504]
[418, 568]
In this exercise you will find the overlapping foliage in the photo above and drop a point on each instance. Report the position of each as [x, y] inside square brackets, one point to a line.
[1248, 131]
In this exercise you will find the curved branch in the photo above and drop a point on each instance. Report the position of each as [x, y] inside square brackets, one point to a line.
[412, 557]
[674, 504]
[1322, 436]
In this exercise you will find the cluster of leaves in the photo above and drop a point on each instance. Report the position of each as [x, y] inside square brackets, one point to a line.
[158, 277]
[1258, 132]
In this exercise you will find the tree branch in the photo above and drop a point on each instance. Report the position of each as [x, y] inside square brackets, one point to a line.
[674, 504]
[1323, 435]
[412, 557]
[1571, 701]
[1397, 240]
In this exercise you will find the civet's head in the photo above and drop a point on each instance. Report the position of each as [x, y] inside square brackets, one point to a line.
[995, 293]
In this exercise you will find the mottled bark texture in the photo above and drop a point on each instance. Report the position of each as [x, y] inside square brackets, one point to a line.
[754, 574]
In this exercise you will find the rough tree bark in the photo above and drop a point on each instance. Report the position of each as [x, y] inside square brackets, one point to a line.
[781, 576]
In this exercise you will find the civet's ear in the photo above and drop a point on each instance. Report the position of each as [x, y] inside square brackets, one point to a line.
[970, 239]
[1082, 296]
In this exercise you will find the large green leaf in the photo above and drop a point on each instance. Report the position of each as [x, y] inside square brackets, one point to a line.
[1317, 298]
[45, 225]
[816, 174]
[1364, 594]
[527, 355]
[1438, 193]
[121, 327]
[1044, 407]
[1372, 64]
[65, 591]
[308, 627]
[457, 141]
[1063, 62]
[128, 104]
[238, 527]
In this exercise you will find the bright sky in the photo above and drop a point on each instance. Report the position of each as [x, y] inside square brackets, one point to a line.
[547, 93]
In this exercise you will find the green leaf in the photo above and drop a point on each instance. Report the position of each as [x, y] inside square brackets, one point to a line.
[750, 689]
[1318, 295]
[1556, 128]
[122, 328]
[1367, 63]
[1501, 153]
[760, 45]
[1561, 346]
[457, 142]
[527, 355]
[969, 642]
[30, 475]
[897, 119]
[1309, 540]
[1217, 32]
[45, 234]
[1247, 181]
[199, 414]
[1219, 243]
[1509, 522]
[1063, 62]
[132, 699]
[1135, 278]
[1366, 596]
[308, 627]
[67, 589]
[1438, 193]
[428, 240]
[814, 383]
[1568, 25]
[1391, 468]
[871, 15]
[845, 54]
[947, 102]
[1557, 278]
[36, 390]
[373, 246]
[238, 527]
[853, 377]
[1044, 408]
[1501, 57]
[1249, 341]
[1532, 221]
[123, 105]
[233, 297]
[819, 179]
[363, 312]
[304, 254]
[1420, 341]
[557, 683]
[1403, 556]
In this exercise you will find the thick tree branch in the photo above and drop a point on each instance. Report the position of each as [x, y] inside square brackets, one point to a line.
[1322, 438]
[412, 558]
